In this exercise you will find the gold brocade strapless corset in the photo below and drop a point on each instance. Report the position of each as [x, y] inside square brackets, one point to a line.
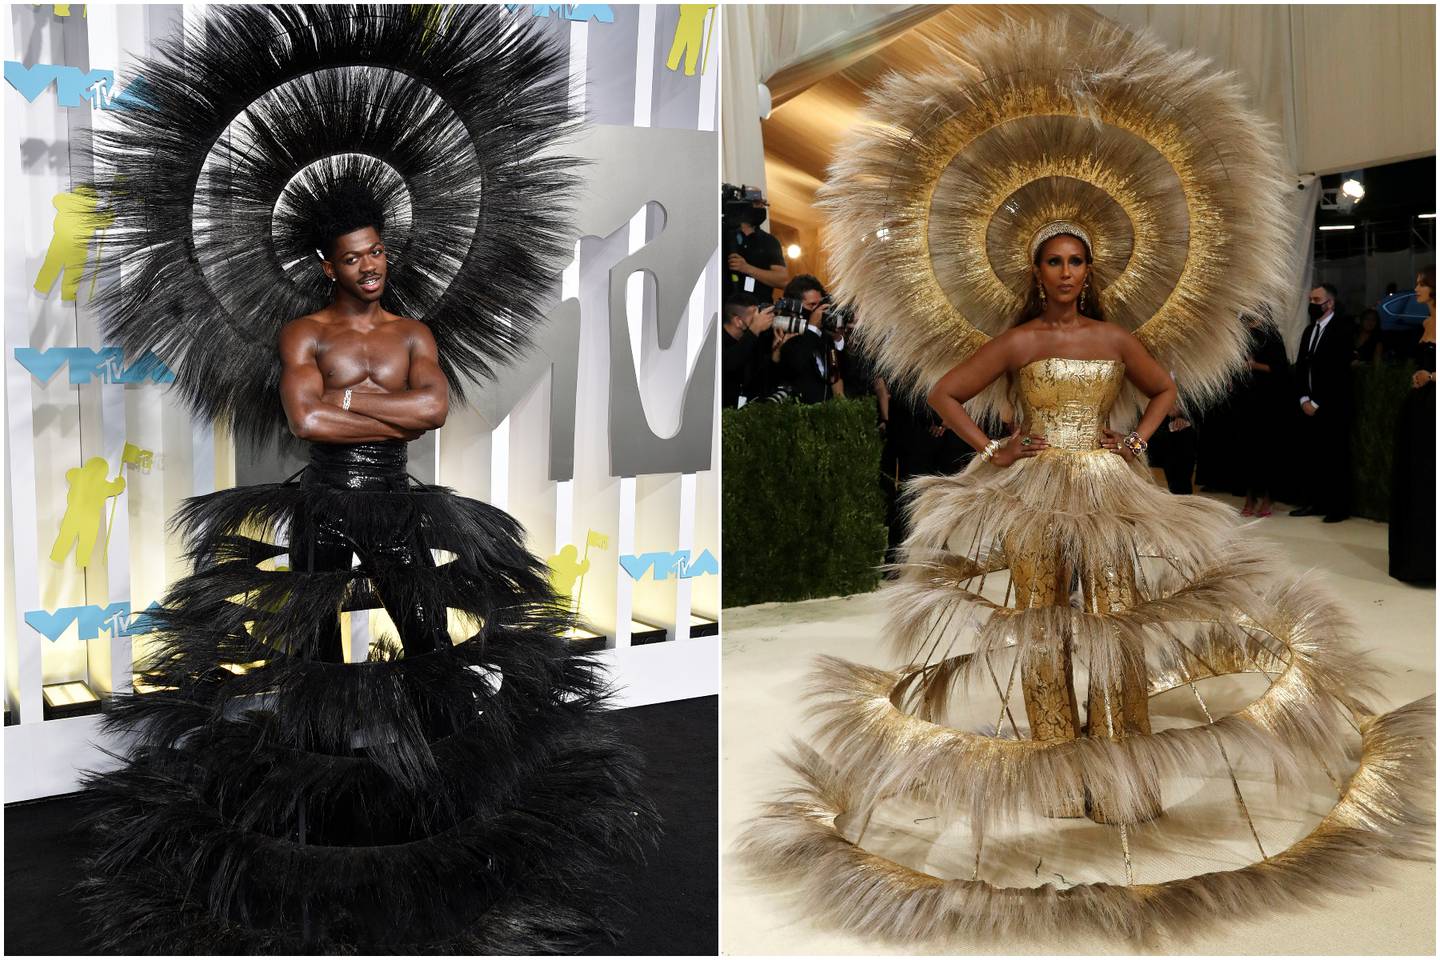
[1068, 401]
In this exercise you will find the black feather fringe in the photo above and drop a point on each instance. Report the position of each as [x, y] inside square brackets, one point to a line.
[449, 116]
[473, 799]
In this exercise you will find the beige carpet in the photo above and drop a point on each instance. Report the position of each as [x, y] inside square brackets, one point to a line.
[767, 652]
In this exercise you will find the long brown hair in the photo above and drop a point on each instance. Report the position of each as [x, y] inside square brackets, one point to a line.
[1032, 307]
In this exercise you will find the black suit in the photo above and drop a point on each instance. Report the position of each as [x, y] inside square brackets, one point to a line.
[738, 359]
[1322, 373]
[804, 366]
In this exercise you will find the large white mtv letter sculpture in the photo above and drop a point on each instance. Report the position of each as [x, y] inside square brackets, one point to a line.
[675, 169]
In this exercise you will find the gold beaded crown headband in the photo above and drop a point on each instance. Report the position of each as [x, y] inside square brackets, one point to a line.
[1056, 228]
[1148, 155]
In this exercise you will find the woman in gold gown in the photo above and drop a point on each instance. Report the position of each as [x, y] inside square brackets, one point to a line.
[1051, 593]
[1066, 367]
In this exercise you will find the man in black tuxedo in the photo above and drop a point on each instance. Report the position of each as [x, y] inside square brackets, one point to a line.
[741, 376]
[802, 361]
[1322, 379]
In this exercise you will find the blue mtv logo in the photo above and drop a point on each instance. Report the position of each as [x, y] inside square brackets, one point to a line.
[114, 619]
[107, 365]
[578, 12]
[73, 87]
[665, 563]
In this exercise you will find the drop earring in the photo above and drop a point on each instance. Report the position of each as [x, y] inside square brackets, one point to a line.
[1083, 291]
[1040, 288]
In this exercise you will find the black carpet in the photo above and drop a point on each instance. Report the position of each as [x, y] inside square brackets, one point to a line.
[672, 898]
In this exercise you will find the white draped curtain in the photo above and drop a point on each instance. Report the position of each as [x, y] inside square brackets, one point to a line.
[1351, 85]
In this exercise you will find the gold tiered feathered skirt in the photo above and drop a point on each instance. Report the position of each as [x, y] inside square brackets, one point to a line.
[1039, 612]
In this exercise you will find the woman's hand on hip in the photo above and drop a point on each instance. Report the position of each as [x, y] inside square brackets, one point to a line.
[1113, 442]
[1021, 444]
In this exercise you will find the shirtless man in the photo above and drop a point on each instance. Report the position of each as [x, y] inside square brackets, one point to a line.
[388, 364]
[353, 373]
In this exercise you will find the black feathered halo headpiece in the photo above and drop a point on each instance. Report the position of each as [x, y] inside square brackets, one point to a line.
[267, 124]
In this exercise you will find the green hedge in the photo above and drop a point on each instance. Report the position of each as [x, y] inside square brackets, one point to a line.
[1380, 389]
[803, 512]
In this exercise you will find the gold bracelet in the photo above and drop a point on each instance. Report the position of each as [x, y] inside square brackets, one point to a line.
[1135, 444]
[990, 449]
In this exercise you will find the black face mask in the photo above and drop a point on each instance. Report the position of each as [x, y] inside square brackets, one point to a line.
[1317, 310]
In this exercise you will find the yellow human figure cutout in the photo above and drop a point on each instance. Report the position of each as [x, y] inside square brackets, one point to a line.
[691, 38]
[90, 487]
[75, 223]
[63, 9]
[566, 569]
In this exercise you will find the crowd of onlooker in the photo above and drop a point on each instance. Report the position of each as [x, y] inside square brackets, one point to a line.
[786, 349]
[792, 348]
[1285, 431]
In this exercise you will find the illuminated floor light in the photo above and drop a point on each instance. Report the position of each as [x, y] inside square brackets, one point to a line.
[240, 669]
[73, 698]
[141, 686]
[642, 633]
[586, 639]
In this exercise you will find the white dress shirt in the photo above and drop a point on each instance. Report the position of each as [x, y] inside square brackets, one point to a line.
[819, 357]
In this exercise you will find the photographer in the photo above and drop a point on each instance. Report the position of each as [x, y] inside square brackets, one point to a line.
[741, 349]
[805, 361]
[754, 262]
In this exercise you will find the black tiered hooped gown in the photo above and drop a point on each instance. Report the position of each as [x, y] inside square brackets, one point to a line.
[459, 789]
[468, 799]
[1412, 488]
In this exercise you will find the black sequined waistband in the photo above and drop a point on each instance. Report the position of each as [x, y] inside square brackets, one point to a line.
[359, 466]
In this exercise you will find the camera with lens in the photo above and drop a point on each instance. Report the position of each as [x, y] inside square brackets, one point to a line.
[838, 316]
[739, 205]
[792, 317]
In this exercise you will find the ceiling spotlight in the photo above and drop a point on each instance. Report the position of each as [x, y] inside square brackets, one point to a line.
[792, 251]
[1353, 189]
[1339, 226]
[1427, 216]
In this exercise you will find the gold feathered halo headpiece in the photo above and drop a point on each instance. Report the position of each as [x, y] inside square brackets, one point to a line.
[1150, 155]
